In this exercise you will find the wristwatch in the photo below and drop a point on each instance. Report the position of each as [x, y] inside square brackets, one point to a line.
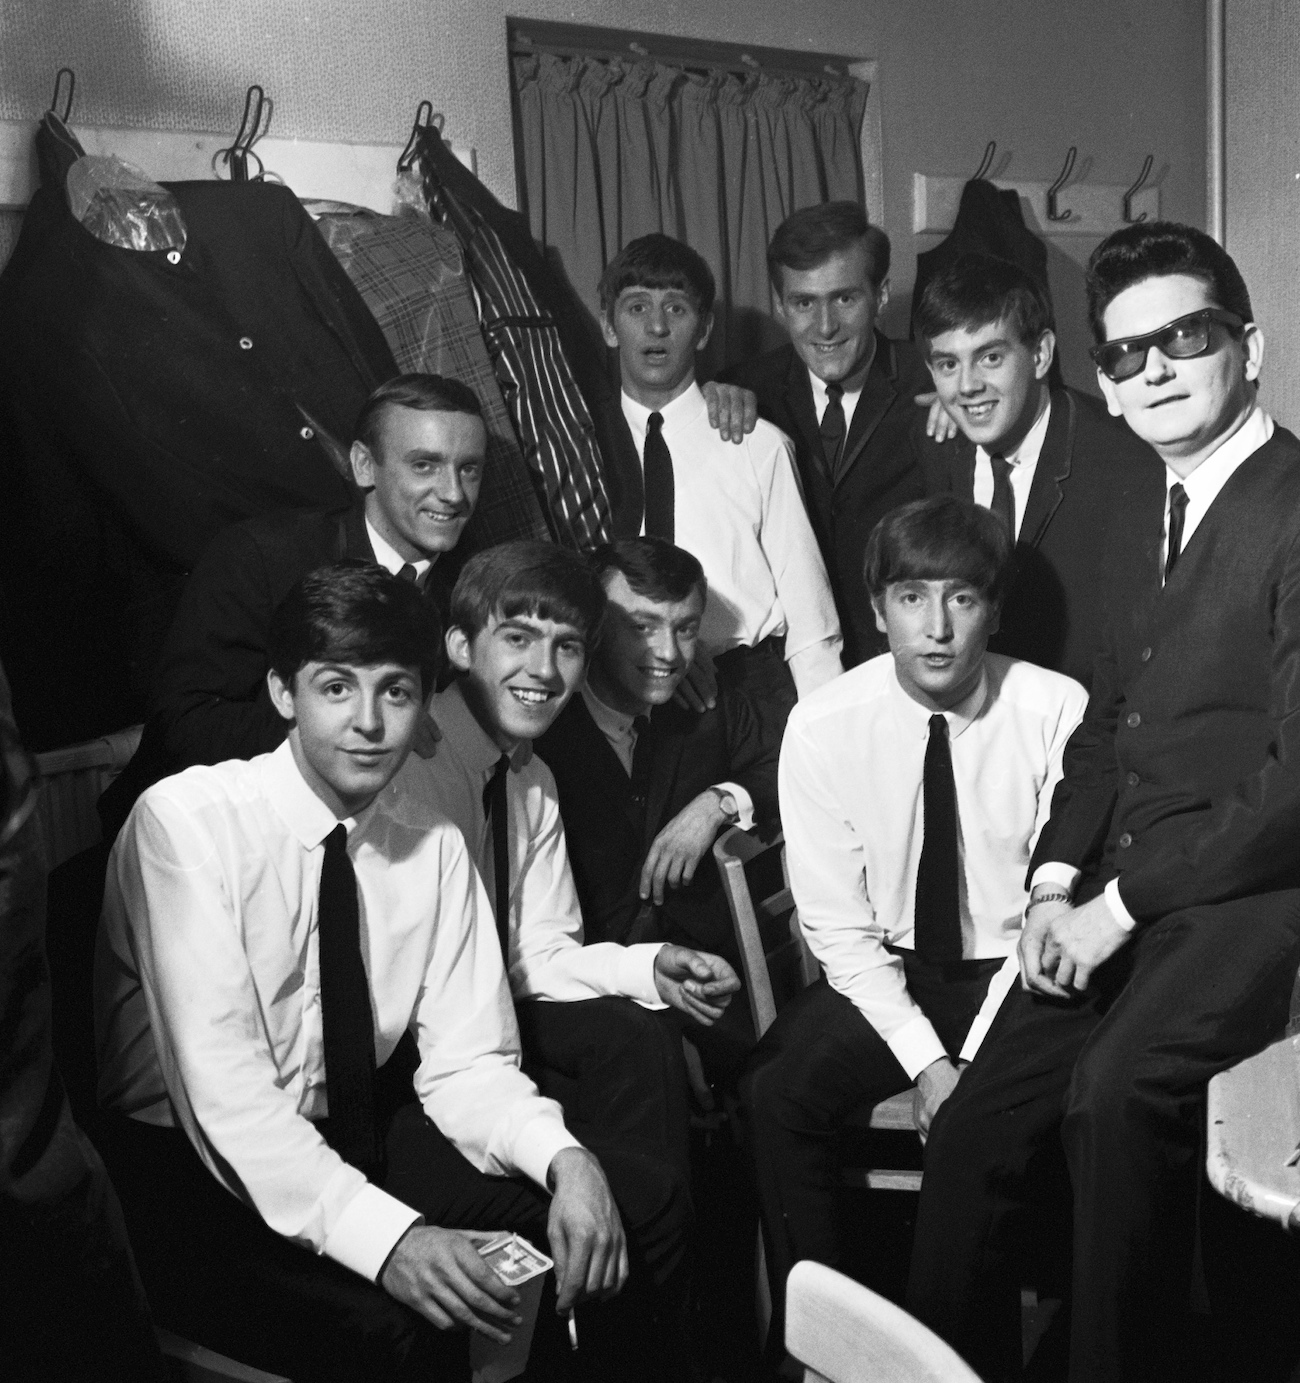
[727, 805]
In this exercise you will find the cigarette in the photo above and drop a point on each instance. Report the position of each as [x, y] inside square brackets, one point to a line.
[573, 1327]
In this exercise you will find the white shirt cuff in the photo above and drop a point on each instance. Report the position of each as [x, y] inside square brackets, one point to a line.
[1054, 872]
[815, 665]
[1121, 914]
[636, 973]
[367, 1231]
[744, 803]
[916, 1045]
[999, 987]
[536, 1145]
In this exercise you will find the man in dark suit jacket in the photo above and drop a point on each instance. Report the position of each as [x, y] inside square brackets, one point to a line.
[843, 393]
[1163, 930]
[418, 460]
[1060, 472]
[646, 786]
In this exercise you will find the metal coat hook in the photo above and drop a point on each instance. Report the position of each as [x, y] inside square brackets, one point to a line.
[1052, 213]
[237, 156]
[990, 153]
[424, 118]
[72, 87]
[1137, 187]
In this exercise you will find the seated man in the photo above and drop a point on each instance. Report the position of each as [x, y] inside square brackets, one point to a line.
[645, 786]
[307, 1044]
[418, 462]
[1064, 478]
[770, 624]
[912, 791]
[591, 1017]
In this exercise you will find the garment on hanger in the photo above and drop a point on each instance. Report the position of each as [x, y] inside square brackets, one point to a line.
[563, 405]
[411, 274]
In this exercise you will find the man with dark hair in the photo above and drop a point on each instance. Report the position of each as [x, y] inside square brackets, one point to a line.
[306, 1040]
[418, 461]
[645, 785]
[842, 391]
[1163, 930]
[1058, 472]
[769, 624]
[912, 791]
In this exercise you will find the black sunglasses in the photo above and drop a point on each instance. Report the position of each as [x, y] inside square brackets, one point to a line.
[1182, 339]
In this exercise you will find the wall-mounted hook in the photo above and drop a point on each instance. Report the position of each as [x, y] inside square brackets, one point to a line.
[990, 153]
[1137, 187]
[250, 127]
[1053, 214]
[424, 119]
[58, 84]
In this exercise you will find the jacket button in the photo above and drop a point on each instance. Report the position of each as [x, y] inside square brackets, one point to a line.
[1146, 655]
[1133, 720]
[1125, 841]
[1132, 780]
[306, 434]
[173, 256]
[245, 343]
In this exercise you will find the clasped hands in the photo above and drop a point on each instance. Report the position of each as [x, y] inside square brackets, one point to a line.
[1062, 945]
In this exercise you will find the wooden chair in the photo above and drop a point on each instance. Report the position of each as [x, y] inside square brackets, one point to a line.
[775, 963]
[844, 1333]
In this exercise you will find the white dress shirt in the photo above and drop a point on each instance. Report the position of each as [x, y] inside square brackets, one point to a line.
[852, 806]
[620, 730]
[1202, 486]
[207, 995]
[738, 510]
[547, 957]
[1023, 462]
[391, 560]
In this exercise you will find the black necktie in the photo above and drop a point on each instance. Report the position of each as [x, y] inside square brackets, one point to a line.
[1177, 515]
[496, 807]
[409, 574]
[1004, 502]
[833, 428]
[349, 1029]
[938, 914]
[643, 753]
[658, 467]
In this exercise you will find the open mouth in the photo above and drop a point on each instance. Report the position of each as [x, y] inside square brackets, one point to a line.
[442, 515]
[979, 412]
[530, 696]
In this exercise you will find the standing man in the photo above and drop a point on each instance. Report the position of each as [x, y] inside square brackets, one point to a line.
[1059, 473]
[842, 392]
[1163, 929]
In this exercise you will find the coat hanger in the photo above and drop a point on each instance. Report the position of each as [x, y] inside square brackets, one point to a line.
[72, 87]
[1053, 214]
[424, 118]
[250, 128]
[1129, 218]
[990, 153]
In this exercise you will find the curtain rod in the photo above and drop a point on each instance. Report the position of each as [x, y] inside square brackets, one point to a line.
[744, 64]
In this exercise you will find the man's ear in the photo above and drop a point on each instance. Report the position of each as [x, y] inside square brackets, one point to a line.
[1043, 353]
[1110, 394]
[363, 466]
[995, 621]
[1252, 343]
[459, 651]
[706, 326]
[281, 694]
[878, 606]
[607, 330]
[882, 294]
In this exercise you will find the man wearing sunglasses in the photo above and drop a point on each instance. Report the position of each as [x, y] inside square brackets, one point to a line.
[1163, 929]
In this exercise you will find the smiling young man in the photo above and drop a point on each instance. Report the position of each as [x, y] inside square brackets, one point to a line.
[770, 625]
[912, 791]
[306, 1041]
[1063, 477]
[842, 391]
[418, 462]
[1163, 932]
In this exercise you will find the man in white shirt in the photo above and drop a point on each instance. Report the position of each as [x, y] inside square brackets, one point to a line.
[770, 625]
[281, 953]
[1163, 931]
[1059, 473]
[912, 791]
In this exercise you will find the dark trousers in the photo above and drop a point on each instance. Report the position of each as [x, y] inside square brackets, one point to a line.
[762, 673]
[1119, 1076]
[817, 1063]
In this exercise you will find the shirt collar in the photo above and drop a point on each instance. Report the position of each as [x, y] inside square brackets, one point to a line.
[389, 558]
[474, 746]
[819, 384]
[611, 723]
[295, 803]
[959, 717]
[1031, 445]
[678, 414]
[1212, 474]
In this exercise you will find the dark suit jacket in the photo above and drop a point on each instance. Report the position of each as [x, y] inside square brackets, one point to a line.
[879, 472]
[608, 836]
[1184, 777]
[1092, 475]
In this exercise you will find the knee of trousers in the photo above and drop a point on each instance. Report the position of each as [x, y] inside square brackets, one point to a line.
[1119, 1093]
[776, 1096]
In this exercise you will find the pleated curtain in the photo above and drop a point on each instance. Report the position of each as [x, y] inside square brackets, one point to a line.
[610, 150]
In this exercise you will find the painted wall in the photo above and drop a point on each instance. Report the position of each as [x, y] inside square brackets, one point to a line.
[1119, 78]
[1263, 163]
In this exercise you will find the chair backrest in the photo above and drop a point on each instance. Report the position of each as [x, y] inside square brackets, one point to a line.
[843, 1332]
[774, 959]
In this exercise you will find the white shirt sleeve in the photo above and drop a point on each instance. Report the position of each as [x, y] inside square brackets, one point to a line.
[223, 1083]
[828, 878]
[813, 640]
[547, 957]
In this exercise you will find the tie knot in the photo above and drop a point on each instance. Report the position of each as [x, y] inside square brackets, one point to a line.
[640, 724]
[939, 726]
[337, 840]
[835, 392]
[655, 422]
[1177, 496]
[408, 574]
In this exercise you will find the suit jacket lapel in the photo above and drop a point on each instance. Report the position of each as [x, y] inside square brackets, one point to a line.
[799, 400]
[670, 740]
[356, 540]
[878, 394]
[1052, 470]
